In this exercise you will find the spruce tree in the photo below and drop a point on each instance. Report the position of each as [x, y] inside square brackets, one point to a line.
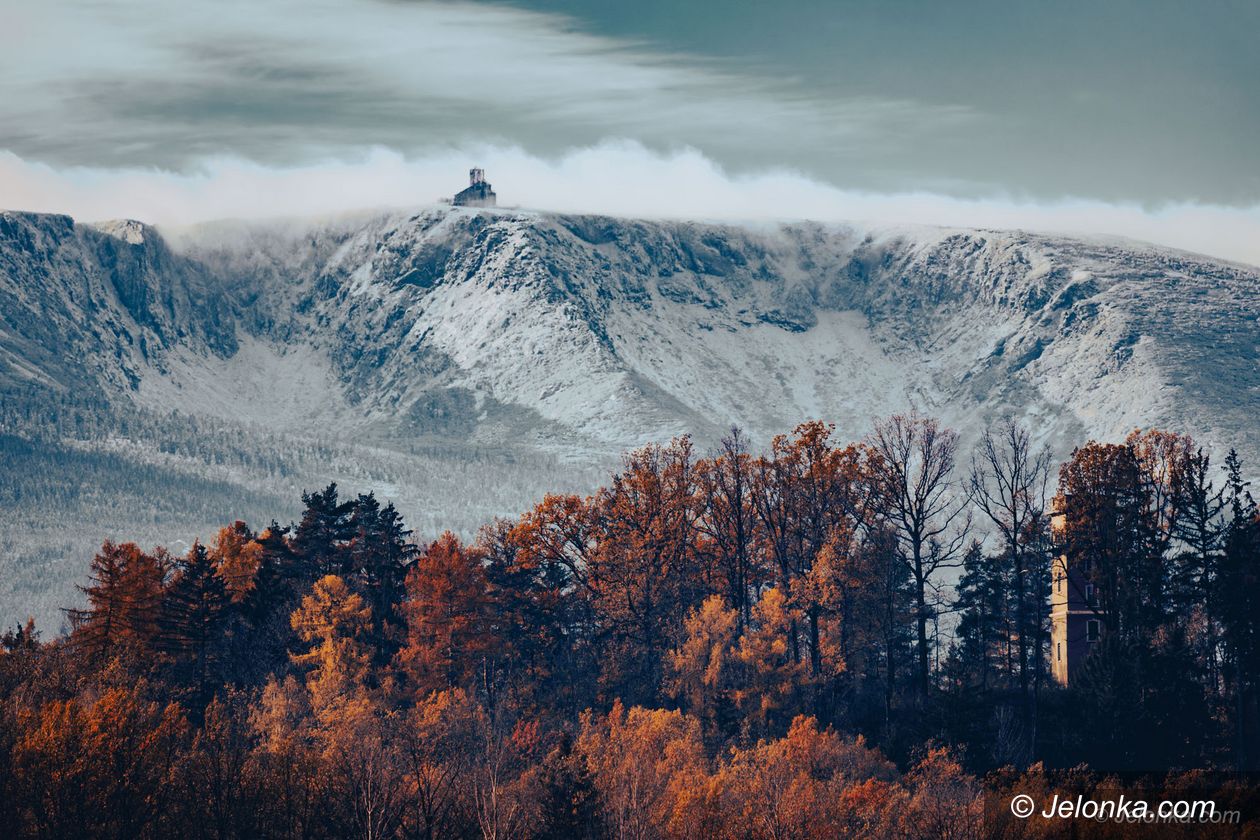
[380, 555]
[321, 537]
[193, 618]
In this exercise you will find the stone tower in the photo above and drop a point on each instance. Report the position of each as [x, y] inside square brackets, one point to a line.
[478, 193]
[1075, 624]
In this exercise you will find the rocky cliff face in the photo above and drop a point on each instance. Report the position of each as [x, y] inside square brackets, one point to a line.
[570, 339]
[99, 307]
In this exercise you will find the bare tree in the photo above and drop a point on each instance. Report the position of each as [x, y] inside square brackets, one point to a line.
[1008, 484]
[730, 523]
[912, 458]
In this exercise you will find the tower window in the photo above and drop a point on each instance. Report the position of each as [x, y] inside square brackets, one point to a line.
[1092, 631]
[1058, 649]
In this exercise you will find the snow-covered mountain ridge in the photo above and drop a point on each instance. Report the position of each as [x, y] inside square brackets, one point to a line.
[601, 333]
[575, 337]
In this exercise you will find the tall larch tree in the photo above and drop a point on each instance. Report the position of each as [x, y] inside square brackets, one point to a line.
[450, 641]
[124, 599]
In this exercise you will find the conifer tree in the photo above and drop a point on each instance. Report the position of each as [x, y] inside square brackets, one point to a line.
[1239, 606]
[321, 538]
[450, 639]
[193, 618]
[380, 556]
[1200, 530]
[276, 576]
[124, 598]
[983, 628]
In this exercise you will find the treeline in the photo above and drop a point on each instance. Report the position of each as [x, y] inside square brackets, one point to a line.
[821, 639]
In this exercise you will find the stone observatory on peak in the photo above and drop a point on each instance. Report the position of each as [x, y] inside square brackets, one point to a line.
[479, 193]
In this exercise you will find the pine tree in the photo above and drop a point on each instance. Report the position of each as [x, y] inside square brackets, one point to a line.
[276, 577]
[983, 627]
[1200, 530]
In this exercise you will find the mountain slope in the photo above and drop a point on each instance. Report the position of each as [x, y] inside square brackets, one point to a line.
[414, 344]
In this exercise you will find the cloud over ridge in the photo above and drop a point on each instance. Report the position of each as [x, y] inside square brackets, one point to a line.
[618, 178]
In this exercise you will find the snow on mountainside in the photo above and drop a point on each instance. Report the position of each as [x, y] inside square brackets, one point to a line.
[412, 343]
[601, 333]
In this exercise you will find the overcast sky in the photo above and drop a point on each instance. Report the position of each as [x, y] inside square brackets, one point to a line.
[1132, 117]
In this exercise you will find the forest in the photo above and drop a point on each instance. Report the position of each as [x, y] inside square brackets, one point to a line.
[816, 639]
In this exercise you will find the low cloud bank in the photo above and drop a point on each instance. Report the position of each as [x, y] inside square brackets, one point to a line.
[614, 178]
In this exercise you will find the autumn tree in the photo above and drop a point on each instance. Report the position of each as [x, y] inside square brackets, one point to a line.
[729, 524]
[288, 764]
[804, 499]
[237, 556]
[353, 728]
[222, 788]
[794, 786]
[334, 622]
[469, 767]
[1102, 501]
[438, 738]
[450, 641]
[775, 684]
[643, 763]
[703, 672]
[644, 572]
[100, 767]
[124, 599]
[945, 801]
